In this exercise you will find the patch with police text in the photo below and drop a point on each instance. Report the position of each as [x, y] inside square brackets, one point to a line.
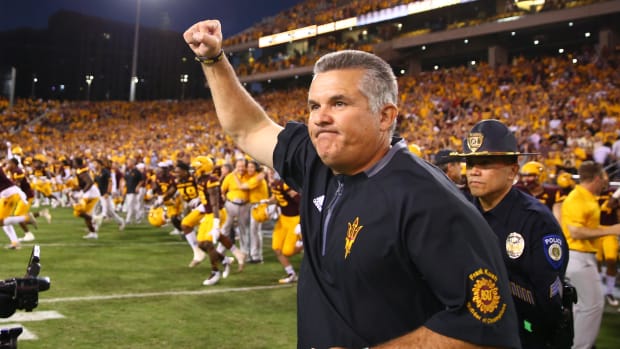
[486, 304]
[352, 230]
[474, 141]
[552, 245]
[515, 244]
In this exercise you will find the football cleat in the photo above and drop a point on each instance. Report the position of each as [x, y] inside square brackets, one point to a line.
[121, 226]
[213, 279]
[91, 235]
[27, 237]
[288, 279]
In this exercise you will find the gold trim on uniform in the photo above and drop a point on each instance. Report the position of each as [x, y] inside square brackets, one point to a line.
[515, 244]
[485, 300]
[474, 141]
[352, 231]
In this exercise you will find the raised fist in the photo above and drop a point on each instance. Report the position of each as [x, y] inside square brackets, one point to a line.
[204, 38]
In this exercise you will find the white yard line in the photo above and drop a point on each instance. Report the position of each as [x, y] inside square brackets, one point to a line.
[157, 294]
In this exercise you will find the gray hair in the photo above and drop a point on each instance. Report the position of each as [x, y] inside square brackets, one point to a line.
[378, 83]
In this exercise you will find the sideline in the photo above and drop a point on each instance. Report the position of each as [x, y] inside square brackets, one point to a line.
[159, 294]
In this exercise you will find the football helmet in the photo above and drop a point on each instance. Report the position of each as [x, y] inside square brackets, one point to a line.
[260, 213]
[202, 165]
[565, 180]
[17, 150]
[157, 216]
[534, 168]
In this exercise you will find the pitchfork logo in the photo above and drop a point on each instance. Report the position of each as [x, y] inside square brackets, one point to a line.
[352, 231]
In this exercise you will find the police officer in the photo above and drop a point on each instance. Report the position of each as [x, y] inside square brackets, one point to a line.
[531, 240]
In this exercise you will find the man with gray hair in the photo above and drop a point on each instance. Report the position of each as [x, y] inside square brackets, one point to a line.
[374, 217]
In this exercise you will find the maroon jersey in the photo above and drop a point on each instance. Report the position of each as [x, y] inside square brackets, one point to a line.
[289, 205]
[5, 182]
[163, 181]
[549, 196]
[206, 183]
[609, 208]
[19, 177]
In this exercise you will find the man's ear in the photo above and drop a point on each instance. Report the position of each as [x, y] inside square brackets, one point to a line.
[389, 113]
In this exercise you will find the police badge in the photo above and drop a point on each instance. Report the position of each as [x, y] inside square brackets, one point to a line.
[474, 141]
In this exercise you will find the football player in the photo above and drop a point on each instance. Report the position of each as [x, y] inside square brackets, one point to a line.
[165, 191]
[286, 238]
[210, 214]
[532, 180]
[188, 191]
[607, 246]
[10, 197]
[87, 197]
[23, 208]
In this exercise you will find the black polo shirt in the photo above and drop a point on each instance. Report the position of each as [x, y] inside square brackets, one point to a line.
[536, 255]
[390, 250]
[133, 177]
[103, 181]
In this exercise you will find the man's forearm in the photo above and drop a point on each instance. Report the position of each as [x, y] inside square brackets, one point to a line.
[424, 338]
[236, 110]
[589, 233]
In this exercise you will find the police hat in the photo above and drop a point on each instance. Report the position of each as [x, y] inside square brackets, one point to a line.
[443, 157]
[490, 138]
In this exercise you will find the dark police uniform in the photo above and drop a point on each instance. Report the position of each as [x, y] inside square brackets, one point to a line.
[389, 250]
[533, 246]
[536, 254]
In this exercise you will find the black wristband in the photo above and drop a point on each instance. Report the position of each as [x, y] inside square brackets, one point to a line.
[210, 60]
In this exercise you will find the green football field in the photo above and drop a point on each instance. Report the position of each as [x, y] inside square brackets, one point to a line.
[133, 289]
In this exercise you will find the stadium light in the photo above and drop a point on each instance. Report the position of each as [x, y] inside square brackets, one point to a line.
[134, 59]
[34, 84]
[89, 80]
[184, 79]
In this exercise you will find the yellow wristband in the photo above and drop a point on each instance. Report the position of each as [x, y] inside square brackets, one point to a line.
[210, 60]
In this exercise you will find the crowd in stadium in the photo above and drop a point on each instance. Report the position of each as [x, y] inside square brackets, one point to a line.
[565, 107]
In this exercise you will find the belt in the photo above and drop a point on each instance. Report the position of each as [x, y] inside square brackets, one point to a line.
[238, 202]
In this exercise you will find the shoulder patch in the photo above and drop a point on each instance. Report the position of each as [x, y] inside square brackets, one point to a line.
[552, 247]
[486, 304]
